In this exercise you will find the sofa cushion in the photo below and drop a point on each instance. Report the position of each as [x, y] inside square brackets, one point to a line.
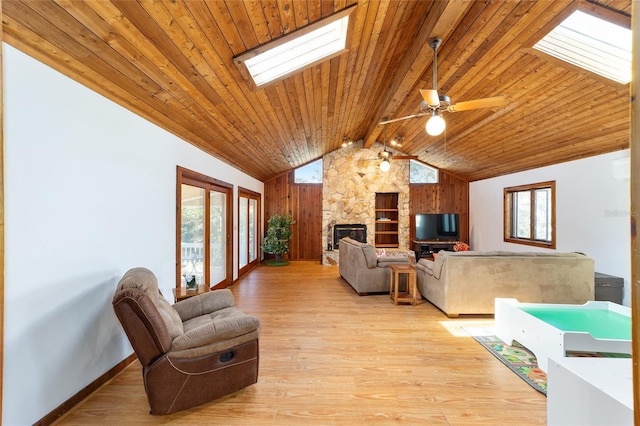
[443, 255]
[204, 303]
[499, 253]
[370, 256]
[170, 317]
[384, 262]
[224, 324]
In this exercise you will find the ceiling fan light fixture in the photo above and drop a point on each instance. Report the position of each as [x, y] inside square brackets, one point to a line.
[435, 124]
[397, 141]
[385, 165]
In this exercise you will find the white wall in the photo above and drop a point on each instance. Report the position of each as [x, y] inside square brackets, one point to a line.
[592, 211]
[90, 191]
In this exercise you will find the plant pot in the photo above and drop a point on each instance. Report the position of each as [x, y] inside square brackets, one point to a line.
[277, 261]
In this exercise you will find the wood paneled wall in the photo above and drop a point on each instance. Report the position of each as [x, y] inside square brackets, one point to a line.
[449, 195]
[304, 203]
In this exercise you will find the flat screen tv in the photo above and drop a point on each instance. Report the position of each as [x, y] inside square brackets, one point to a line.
[442, 226]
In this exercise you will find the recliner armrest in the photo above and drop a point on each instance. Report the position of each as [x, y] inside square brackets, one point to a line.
[203, 304]
[215, 331]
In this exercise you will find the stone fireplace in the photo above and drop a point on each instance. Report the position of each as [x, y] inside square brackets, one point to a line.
[352, 176]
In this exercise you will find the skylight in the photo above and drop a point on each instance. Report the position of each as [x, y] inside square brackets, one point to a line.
[296, 51]
[591, 43]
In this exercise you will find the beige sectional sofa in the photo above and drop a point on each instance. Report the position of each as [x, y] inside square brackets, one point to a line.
[468, 282]
[361, 267]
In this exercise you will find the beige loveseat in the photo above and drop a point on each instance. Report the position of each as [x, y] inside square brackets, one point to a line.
[468, 282]
[361, 267]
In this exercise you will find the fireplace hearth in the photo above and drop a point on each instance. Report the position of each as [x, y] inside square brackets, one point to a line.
[355, 231]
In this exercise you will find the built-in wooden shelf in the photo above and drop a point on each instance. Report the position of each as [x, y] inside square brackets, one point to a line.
[386, 231]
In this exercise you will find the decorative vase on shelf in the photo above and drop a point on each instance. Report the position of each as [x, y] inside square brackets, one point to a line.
[191, 281]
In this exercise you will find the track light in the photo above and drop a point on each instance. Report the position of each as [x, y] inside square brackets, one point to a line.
[397, 141]
[346, 142]
[385, 165]
[435, 124]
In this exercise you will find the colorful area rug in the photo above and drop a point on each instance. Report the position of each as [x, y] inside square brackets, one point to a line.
[522, 361]
[518, 358]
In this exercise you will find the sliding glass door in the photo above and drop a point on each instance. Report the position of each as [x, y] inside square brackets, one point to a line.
[192, 232]
[204, 225]
[218, 236]
[248, 229]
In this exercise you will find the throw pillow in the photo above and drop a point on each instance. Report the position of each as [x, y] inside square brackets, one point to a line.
[460, 246]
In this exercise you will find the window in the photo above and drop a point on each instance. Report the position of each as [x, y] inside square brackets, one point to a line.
[591, 43]
[421, 173]
[310, 173]
[529, 214]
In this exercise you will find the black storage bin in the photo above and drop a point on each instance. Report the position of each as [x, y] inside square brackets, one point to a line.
[609, 288]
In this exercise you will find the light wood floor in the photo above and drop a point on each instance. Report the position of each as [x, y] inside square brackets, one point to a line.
[329, 356]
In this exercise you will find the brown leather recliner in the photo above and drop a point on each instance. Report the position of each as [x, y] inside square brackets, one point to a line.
[192, 352]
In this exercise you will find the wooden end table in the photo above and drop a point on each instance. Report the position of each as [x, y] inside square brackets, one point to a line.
[181, 293]
[411, 294]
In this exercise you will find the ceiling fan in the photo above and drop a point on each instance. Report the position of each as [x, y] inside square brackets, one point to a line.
[385, 155]
[434, 104]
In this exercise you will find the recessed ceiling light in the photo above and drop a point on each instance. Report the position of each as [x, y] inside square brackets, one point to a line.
[591, 43]
[298, 50]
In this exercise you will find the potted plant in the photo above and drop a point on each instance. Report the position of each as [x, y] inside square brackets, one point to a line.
[276, 241]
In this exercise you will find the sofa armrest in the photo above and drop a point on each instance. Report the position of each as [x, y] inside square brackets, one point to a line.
[204, 304]
[425, 266]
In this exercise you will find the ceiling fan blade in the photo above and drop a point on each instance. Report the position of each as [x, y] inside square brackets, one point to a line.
[430, 96]
[478, 103]
[420, 114]
[404, 157]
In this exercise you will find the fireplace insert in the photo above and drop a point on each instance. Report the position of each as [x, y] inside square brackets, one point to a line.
[355, 231]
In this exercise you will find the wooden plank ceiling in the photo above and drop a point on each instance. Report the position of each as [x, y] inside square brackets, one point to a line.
[172, 63]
